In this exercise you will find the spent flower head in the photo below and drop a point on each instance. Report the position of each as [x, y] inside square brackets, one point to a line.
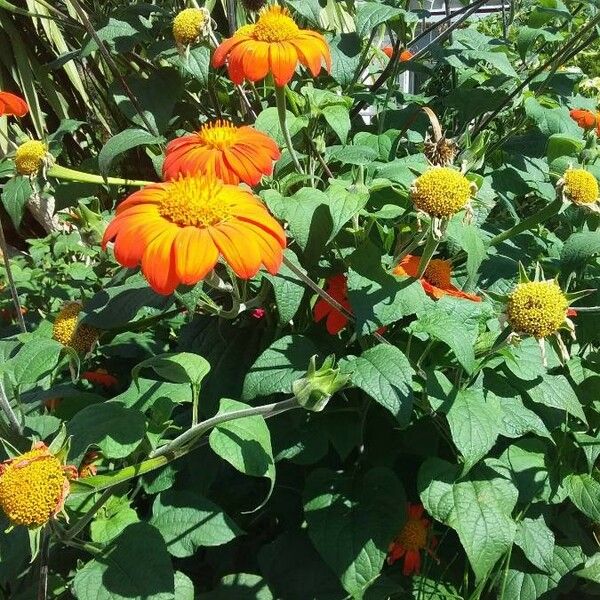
[69, 332]
[189, 25]
[581, 188]
[31, 156]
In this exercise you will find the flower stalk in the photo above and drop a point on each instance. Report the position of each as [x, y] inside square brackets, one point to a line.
[60, 172]
[282, 113]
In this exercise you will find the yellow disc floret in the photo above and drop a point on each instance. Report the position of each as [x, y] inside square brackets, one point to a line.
[275, 25]
[30, 156]
[33, 487]
[438, 272]
[413, 535]
[580, 186]
[441, 192]
[70, 333]
[537, 308]
[189, 25]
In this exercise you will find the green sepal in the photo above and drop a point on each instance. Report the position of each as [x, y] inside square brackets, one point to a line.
[35, 538]
[314, 390]
[9, 449]
[539, 273]
[497, 297]
[523, 277]
[573, 296]
[61, 444]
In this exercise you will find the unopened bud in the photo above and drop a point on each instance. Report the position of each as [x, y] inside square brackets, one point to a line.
[314, 390]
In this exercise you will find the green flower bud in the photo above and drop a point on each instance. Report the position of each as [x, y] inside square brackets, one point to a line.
[318, 385]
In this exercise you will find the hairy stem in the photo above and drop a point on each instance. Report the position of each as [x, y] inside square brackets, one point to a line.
[9, 412]
[60, 172]
[11, 281]
[282, 113]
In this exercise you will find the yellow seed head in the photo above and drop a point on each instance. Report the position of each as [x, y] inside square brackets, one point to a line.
[441, 192]
[30, 156]
[580, 186]
[537, 308]
[68, 332]
[33, 487]
[188, 25]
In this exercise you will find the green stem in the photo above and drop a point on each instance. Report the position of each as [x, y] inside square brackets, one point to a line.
[79, 525]
[60, 172]
[430, 247]
[195, 397]
[9, 412]
[11, 281]
[282, 113]
[529, 222]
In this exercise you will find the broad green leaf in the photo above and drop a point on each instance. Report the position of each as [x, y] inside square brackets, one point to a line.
[15, 194]
[551, 120]
[579, 249]
[309, 9]
[591, 569]
[184, 587]
[560, 145]
[515, 420]
[525, 360]
[178, 367]
[196, 63]
[345, 201]
[351, 155]
[370, 15]
[385, 374]
[279, 366]
[345, 57]
[584, 492]
[116, 430]
[537, 542]
[556, 391]
[435, 482]
[134, 566]
[244, 443]
[240, 586]
[351, 521]
[288, 289]
[145, 393]
[268, 122]
[338, 118]
[526, 37]
[36, 359]
[468, 238]
[187, 521]
[111, 519]
[122, 142]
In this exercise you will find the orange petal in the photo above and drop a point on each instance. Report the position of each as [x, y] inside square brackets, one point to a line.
[256, 61]
[158, 264]
[220, 55]
[235, 66]
[10, 104]
[283, 59]
[241, 254]
[195, 255]
[271, 252]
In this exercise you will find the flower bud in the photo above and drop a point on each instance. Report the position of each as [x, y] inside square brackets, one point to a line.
[314, 390]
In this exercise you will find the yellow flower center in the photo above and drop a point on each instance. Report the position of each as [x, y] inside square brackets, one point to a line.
[537, 308]
[30, 156]
[414, 535]
[441, 192]
[245, 29]
[438, 272]
[69, 333]
[188, 25]
[581, 186]
[32, 487]
[218, 135]
[275, 25]
[195, 201]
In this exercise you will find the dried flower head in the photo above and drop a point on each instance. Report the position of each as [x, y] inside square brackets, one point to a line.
[70, 333]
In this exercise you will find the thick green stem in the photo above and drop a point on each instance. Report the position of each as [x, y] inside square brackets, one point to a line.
[195, 398]
[9, 412]
[528, 223]
[430, 247]
[11, 281]
[60, 172]
[282, 112]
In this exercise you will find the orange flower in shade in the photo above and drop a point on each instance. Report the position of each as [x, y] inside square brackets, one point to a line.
[12, 105]
[337, 287]
[232, 153]
[275, 44]
[404, 55]
[436, 279]
[177, 231]
[411, 540]
[100, 377]
[586, 119]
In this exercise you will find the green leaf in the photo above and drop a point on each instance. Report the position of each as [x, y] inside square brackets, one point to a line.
[468, 238]
[111, 519]
[345, 57]
[525, 360]
[120, 143]
[584, 492]
[244, 443]
[178, 367]
[196, 63]
[560, 145]
[351, 521]
[15, 194]
[36, 359]
[279, 366]
[385, 374]
[288, 289]
[370, 15]
[338, 118]
[579, 249]
[551, 120]
[134, 566]
[116, 430]
[309, 9]
[537, 542]
[591, 569]
[556, 391]
[473, 424]
[145, 393]
[187, 521]
[526, 37]
[240, 586]
[268, 122]
[345, 201]
[184, 587]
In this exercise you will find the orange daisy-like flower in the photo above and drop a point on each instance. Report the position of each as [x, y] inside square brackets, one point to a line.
[100, 377]
[12, 105]
[275, 44]
[435, 280]
[411, 540]
[177, 230]
[586, 119]
[404, 55]
[337, 287]
[232, 153]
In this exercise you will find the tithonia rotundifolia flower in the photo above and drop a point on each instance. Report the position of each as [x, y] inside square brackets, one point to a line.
[436, 280]
[586, 119]
[337, 287]
[34, 486]
[231, 153]
[30, 157]
[12, 105]
[405, 55]
[412, 539]
[580, 187]
[69, 332]
[178, 230]
[275, 44]
[189, 25]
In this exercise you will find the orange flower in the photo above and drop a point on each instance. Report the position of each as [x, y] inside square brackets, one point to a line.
[337, 288]
[404, 55]
[100, 377]
[436, 279]
[12, 105]
[178, 229]
[586, 119]
[275, 44]
[411, 540]
[232, 153]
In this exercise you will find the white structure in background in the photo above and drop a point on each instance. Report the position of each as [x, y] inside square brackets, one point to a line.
[438, 10]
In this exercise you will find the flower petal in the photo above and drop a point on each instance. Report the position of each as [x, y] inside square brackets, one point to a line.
[283, 59]
[195, 255]
[241, 254]
[158, 264]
